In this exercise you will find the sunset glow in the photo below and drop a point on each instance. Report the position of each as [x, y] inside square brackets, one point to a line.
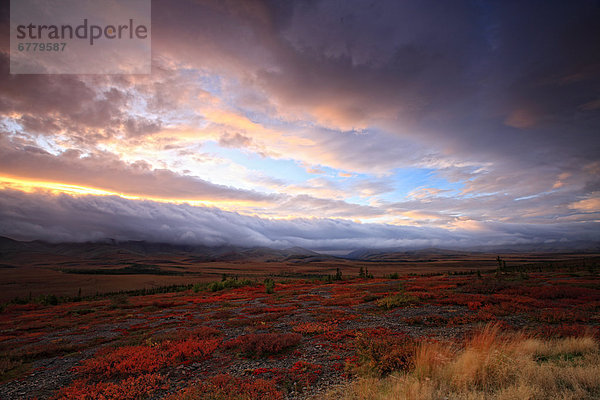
[409, 116]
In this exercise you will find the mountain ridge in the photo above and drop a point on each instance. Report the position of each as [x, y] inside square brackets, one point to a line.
[232, 253]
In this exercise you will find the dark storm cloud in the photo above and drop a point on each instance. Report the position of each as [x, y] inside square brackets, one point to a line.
[513, 84]
[505, 81]
[501, 81]
[64, 99]
[66, 218]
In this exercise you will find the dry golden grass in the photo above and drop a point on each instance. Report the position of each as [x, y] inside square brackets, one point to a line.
[491, 366]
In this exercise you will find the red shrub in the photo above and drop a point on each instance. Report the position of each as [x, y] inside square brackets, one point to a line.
[557, 292]
[383, 354]
[225, 387]
[259, 344]
[486, 313]
[311, 328]
[555, 315]
[123, 361]
[340, 340]
[202, 332]
[462, 299]
[279, 309]
[252, 310]
[342, 301]
[190, 349]
[144, 359]
[427, 320]
[324, 314]
[305, 373]
[301, 375]
[132, 388]
[563, 330]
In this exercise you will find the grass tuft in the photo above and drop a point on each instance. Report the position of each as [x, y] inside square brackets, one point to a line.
[491, 365]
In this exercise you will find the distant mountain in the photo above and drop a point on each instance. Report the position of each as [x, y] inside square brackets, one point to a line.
[109, 248]
[14, 251]
[395, 254]
[580, 246]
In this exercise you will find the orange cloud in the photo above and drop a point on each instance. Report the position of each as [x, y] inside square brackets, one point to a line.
[560, 182]
[591, 204]
[466, 224]
[31, 186]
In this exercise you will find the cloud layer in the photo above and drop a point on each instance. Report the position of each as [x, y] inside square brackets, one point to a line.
[430, 120]
[59, 218]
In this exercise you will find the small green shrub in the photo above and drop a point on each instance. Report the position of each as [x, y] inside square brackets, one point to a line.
[269, 286]
[221, 285]
[46, 300]
[119, 300]
[396, 300]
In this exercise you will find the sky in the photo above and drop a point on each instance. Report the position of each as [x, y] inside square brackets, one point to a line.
[331, 125]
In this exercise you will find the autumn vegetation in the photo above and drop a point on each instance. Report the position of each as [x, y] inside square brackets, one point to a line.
[490, 365]
[512, 333]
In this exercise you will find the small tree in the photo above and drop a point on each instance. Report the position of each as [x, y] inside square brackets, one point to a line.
[338, 274]
[269, 286]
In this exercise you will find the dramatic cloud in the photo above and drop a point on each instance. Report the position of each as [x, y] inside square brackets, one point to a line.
[107, 172]
[88, 218]
[450, 117]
